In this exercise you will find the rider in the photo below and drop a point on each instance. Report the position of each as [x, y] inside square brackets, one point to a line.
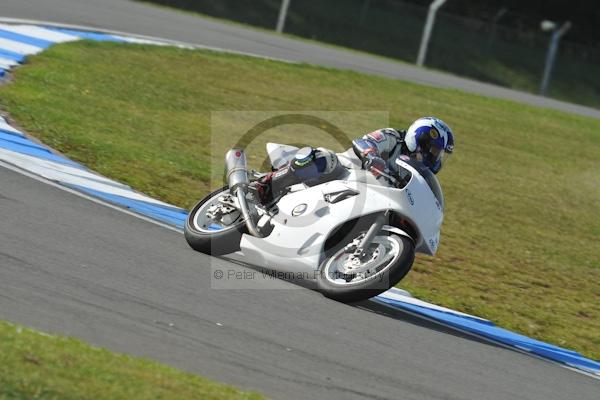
[428, 140]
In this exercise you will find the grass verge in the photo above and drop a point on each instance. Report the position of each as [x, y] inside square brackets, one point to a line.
[34, 365]
[519, 243]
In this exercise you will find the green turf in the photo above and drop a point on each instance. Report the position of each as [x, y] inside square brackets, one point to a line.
[519, 243]
[34, 365]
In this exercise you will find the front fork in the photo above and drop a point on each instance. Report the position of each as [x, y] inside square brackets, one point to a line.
[361, 250]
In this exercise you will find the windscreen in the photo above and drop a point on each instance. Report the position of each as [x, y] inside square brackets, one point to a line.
[430, 178]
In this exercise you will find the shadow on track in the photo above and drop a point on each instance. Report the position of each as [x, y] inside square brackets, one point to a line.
[388, 311]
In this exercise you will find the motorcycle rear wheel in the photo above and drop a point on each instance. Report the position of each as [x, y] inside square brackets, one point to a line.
[212, 238]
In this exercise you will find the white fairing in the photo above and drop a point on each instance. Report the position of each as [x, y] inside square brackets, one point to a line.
[306, 218]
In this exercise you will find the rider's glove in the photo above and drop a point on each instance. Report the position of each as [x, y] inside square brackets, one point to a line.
[376, 165]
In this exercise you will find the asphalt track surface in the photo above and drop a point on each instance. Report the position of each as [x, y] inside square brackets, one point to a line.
[139, 18]
[73, 267]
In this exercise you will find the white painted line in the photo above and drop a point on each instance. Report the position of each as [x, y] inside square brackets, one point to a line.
[87, 197]
[486, 339]
[393, 295]
[25, 21]
[6, 127]
[18, 47]
[39, 33]
[6, 63]
[177, 43]
[141, 41]
[400, 291]
[73, 176]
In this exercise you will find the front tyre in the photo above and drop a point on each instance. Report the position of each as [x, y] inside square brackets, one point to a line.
[213, 237]
[391, 257]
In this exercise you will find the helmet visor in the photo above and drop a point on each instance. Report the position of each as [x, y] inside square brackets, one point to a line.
[433, 150]
[433, 157]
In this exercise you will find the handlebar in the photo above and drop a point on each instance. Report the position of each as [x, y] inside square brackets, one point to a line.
[385, 174]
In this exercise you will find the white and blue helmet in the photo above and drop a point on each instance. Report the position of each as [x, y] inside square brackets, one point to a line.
[431, 141]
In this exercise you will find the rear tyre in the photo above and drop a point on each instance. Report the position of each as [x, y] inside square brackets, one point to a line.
[392, 267]
[210, 237]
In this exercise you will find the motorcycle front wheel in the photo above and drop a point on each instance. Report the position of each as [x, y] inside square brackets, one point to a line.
[213, 237]
[390, 260]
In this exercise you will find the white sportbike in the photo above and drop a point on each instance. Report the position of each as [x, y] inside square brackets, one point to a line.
[355, 236]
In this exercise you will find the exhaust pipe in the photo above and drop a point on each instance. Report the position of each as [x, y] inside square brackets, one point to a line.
[237, 169]
[237, 180]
